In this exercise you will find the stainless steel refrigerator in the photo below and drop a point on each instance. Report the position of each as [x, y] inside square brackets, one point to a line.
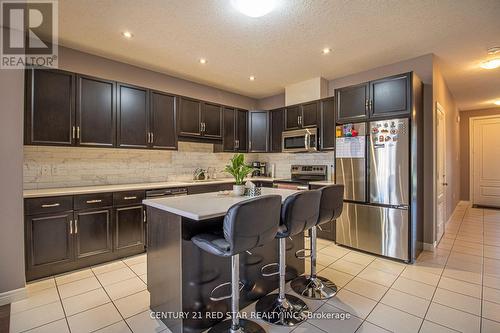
[379, 167]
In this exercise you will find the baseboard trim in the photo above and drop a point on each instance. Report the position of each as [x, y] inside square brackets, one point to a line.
[12, 296]
[429, 246]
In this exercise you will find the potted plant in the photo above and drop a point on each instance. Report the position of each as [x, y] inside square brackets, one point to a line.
[239, 170]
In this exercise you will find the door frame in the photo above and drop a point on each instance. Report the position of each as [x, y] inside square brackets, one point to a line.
[471, 147]
[439, 110]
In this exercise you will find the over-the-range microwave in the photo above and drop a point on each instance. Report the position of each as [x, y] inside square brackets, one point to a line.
[302, 140]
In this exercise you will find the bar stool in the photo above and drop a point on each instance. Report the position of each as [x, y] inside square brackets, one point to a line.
[299, 212]
[248, 224]
[313, 286]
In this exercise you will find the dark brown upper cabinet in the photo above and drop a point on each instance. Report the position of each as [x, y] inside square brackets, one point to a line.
[352, 103]
[163, 121]
[95, 112]
[132, 115]
[276, 120]
[327, 130]
[292, 117]
[235, 126]
[258, 132]
[211, 116]
[49, 108]
[390, 96]
[189, 117]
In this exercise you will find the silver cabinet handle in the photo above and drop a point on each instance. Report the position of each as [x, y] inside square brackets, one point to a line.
[51, 205]
[71, 227]
[129, 198]
[76, 227]
[73, 135]
[78, 132]
[94, 201]
[366, 104]
[144, 216]
[152, 137]
[371, 105]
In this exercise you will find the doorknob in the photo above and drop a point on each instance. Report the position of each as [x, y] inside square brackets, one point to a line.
[445, 184]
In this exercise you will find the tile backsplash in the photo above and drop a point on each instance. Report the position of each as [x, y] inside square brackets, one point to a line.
[48, 167]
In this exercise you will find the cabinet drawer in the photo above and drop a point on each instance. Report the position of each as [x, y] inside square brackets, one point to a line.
[128, 198]
[86, 201]
[48, 205]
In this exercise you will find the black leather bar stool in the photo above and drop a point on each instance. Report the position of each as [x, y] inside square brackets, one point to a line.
[313, 286]
[247, 225]
[299, 212]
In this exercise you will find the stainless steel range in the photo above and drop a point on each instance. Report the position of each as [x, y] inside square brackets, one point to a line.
[301, 175]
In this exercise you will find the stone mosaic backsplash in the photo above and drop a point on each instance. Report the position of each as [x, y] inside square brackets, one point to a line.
[49, 167]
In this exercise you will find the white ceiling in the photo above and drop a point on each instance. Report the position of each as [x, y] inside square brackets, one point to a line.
[284, 47]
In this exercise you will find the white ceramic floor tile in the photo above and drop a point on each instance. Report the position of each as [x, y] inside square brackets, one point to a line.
[491, 281]
[463, 275]
[430, 327]
[133, 304]
[59, 326]
[94, 319]
[347, 267]
[34, 299]
[115, 276]
[366, 288]
[458, 301]
[41, 284]
[489, 326]
[355, 304]
[414, 288]
[461, 287]
[337, 277]
[144, 278]
[491, 310]
[405, 302]
[368, 327]
[394, 320]
[387, 266]
[119, 327]
[140, 268]
[142, 323]
[334, 251]
[377, 276]
[125, 288]
[78, 287]
[23, 321]
[336, 325]
[79, 303]
[359, 258]
[307, 328]
[135, 259]
[452, 318]
[325, 260]
[491, 294]
[108, 267]
[74, 276]
[416, 274]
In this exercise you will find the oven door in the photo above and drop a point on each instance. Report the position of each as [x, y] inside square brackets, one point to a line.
[304, 140]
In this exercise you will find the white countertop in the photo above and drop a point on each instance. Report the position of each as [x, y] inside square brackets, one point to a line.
[49, 192]
[322, 183]
[206, 205]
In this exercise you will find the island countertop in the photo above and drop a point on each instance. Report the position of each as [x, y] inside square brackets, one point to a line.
[206, 205]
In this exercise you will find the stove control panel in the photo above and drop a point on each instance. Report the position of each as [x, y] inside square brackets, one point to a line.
[309, 169]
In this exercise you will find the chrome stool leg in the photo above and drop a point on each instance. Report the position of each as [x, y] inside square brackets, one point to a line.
[313, 286]
[235, 324]
[282, 309]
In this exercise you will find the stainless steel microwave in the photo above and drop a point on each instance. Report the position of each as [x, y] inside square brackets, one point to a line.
[303, 140]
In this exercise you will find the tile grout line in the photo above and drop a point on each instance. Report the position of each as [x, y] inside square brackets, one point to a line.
[482, 280]
[62, 306]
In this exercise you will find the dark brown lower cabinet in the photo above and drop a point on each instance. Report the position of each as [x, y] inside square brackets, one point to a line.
[92, 230]
[129, 227]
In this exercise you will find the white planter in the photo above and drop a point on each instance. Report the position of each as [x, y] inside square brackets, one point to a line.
[238, 190]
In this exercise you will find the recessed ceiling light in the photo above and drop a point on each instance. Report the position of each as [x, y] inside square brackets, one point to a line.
[203, 61]
[127, 34]
[326, 50]
[491, 63]
[497, 102]
[252, 78]
[254, 8]
[494, 50]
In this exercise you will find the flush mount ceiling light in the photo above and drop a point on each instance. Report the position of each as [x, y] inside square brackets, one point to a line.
[254, 8]
[326, 50]
[497, 102]
[127, 34]
[252, 78]
[203, 61]
[491, 63]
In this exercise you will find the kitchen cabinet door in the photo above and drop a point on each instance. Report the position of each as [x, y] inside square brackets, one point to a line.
[48, 240]
[163, 127]
[242, 131]
[189, 117]
[133, 109]
[352, 102]
[212, 121]
[49, 108]
[327, 231]
[327, 124]
[129, 227]
[258, 131]
[92, 230]
[310, 115]
[292, 117]
[229, 137]
[390, 96]
[95, 112]
[276, 128]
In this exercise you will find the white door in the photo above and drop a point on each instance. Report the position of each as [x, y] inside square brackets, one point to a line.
[440, 172]
[485, 162]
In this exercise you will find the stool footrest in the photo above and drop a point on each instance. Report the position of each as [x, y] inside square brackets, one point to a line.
[221, 298]
[301, 254]
[262, 270]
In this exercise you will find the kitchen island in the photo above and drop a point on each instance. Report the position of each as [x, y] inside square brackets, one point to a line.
[181, 277]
